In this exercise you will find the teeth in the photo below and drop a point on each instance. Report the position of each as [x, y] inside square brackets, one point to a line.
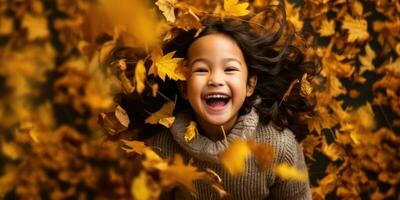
[216, 96]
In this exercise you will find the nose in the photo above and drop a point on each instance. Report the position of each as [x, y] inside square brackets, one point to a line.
[215, 79]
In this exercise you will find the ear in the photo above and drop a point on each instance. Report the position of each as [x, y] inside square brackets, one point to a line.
[182, 88]
[251, 85]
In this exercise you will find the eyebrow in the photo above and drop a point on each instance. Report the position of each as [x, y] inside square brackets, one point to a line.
[206, 61]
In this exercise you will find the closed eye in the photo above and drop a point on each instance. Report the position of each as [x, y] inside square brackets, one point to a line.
[200, 70]
[231, 69]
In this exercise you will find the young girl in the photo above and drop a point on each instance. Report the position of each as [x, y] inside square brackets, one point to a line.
[237, 81]
[238, 78]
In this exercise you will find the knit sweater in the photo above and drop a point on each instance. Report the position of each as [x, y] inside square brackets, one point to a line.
[254, 183]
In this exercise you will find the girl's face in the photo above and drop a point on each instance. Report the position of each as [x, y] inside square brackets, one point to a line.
[217, 86]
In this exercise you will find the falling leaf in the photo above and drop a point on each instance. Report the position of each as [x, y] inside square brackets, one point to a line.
[166, 66]
[234, 157]
[357, 29]
[327, 28]
[263, 153]
[114, 122]
[191, 131]
[366, 60]
[167, 8]
[143, 188]
[135, 146]
[163, 116]
[140, 76]
[287, 172]
[179, 173]
[234, 8]
[305, 88]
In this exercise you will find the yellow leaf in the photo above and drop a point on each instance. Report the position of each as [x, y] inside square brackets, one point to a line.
[234, 8]
[293, 15]
[234, 158]
[191, 131]
[134, 146]
[288, 172]
[143, 188]
[327, 28]
[167, 8]
[357, 29]
[366, 60]
[166, 66]
[179, 173]
[140, 76]
[306, 87]
[165, 112]
[36, 26]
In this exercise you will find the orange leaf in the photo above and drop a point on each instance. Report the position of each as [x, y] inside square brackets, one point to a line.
[263, 153]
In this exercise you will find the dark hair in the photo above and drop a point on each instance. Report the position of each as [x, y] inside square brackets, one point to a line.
[272, 55]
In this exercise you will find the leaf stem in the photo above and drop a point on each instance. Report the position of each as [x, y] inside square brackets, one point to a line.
[223, 132]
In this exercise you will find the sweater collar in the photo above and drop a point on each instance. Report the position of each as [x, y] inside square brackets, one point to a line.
[202, 147]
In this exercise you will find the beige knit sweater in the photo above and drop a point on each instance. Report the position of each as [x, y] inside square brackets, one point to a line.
[253, 183]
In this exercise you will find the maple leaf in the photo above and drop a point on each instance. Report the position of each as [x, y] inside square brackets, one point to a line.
[285, 171]
[166, 66]
[234, 8]
[234, 157]
[293, 15]
[114, 122]
[357, 29]
[366, 60]
[191, 132]
[327, 28]
[167, 8]
[179, 173]
[135, 146]
[140, 76]
[163, 116]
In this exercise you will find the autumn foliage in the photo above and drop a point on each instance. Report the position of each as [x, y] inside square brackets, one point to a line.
[63, 134]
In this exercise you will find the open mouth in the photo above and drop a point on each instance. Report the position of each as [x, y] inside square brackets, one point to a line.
[217, 100]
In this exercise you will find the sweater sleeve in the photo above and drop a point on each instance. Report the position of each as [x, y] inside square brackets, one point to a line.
[292, 154]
